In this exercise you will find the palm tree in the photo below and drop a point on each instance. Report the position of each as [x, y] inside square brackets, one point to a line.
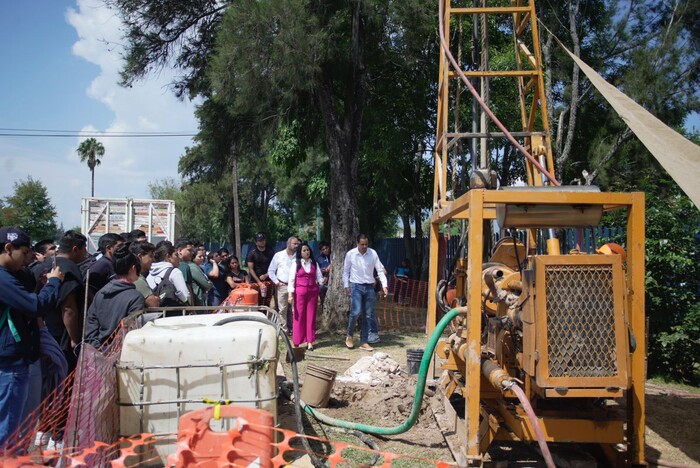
[91, 151]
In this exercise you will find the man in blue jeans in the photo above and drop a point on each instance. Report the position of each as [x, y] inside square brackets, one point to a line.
[19, 331]
[358, 279]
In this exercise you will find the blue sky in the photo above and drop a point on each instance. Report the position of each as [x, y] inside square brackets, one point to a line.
[60, 63]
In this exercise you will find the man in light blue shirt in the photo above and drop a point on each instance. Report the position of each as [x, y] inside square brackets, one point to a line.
[358, 279]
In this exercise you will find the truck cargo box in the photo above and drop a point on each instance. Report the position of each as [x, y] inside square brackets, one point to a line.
[157, 218]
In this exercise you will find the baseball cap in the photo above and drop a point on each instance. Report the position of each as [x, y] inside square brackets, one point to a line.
[260, 236]
[15, 236]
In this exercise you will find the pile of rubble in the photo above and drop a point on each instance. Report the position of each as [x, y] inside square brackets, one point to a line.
[378, 369]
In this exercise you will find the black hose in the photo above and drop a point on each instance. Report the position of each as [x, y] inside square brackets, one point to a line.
[364, 438]
[367, 440]
[440, 295]
[295, 376]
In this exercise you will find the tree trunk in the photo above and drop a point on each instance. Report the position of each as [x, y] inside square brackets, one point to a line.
[343, 157]
[234, 190]
[92, 176]
[419, 247]
[574, 99]
[343, 145]
[407, 238]
[621, 139]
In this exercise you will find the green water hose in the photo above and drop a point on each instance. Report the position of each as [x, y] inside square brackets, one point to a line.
[417, 400]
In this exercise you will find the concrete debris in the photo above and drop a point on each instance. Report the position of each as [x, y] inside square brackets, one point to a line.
[378, 369]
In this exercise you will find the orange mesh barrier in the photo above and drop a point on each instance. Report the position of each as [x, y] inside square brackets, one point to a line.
[246, 442]
[405, 307]
[250, 440]
[83, 407]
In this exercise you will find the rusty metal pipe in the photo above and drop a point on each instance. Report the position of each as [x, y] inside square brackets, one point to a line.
[501, 380]
[494, 373]
[490, 275]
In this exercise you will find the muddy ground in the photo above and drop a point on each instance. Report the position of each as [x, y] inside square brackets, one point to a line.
[672, 435]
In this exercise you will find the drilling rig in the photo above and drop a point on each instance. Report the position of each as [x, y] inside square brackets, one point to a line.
[549, 346]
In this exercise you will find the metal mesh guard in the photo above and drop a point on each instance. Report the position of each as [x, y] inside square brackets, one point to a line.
[580, 321]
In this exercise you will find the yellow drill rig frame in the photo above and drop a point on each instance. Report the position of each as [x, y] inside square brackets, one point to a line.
[567, 328]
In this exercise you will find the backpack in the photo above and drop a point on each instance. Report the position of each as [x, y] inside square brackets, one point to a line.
[167, 292]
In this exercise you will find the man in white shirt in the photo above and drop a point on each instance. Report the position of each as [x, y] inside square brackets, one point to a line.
[358, 279]
[278, 273]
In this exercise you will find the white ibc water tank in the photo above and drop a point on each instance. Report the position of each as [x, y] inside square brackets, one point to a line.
[171, 364]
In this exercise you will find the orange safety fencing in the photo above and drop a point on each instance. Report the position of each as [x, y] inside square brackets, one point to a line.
[80, 418]
[405, 307]
[252, 440]
[83, 408]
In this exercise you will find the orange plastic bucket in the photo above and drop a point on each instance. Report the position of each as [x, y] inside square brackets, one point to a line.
[248, 442]
[243, 295]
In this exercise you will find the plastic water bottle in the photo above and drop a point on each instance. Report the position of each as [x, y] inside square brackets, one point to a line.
[263, 290]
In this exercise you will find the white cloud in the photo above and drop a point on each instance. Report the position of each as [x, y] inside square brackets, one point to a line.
[149, 105]
[129, 164]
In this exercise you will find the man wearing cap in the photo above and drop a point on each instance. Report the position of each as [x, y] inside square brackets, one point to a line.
[258, 260]
[19, 331]
[278, 273]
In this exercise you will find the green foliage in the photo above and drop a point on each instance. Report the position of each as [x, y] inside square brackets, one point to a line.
[200, 205]
[203, 211]
[679, 348]
[672, 267]
[165, 189]
[318, 108]
[30, 209]
[91, 151]
[648, 49]
[286, 150]
[673, 278]
[178, 33]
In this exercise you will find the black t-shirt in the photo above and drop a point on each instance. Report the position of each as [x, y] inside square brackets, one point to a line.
[260, 260]
[101, 272]
[72, 282]
[241, 277]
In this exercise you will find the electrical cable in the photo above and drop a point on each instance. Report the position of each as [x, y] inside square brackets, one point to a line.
[97, 135]
[107, 132]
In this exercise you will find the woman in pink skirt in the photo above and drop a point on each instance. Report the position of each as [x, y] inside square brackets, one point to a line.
[304, 280]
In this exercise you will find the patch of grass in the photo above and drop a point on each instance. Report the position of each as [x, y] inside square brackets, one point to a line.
[678, 386]
[413, 462]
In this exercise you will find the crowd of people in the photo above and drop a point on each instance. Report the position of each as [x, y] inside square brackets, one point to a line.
[44, 289]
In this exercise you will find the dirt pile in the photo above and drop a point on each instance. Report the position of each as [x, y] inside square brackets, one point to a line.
[378, 389]
[378, 369]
